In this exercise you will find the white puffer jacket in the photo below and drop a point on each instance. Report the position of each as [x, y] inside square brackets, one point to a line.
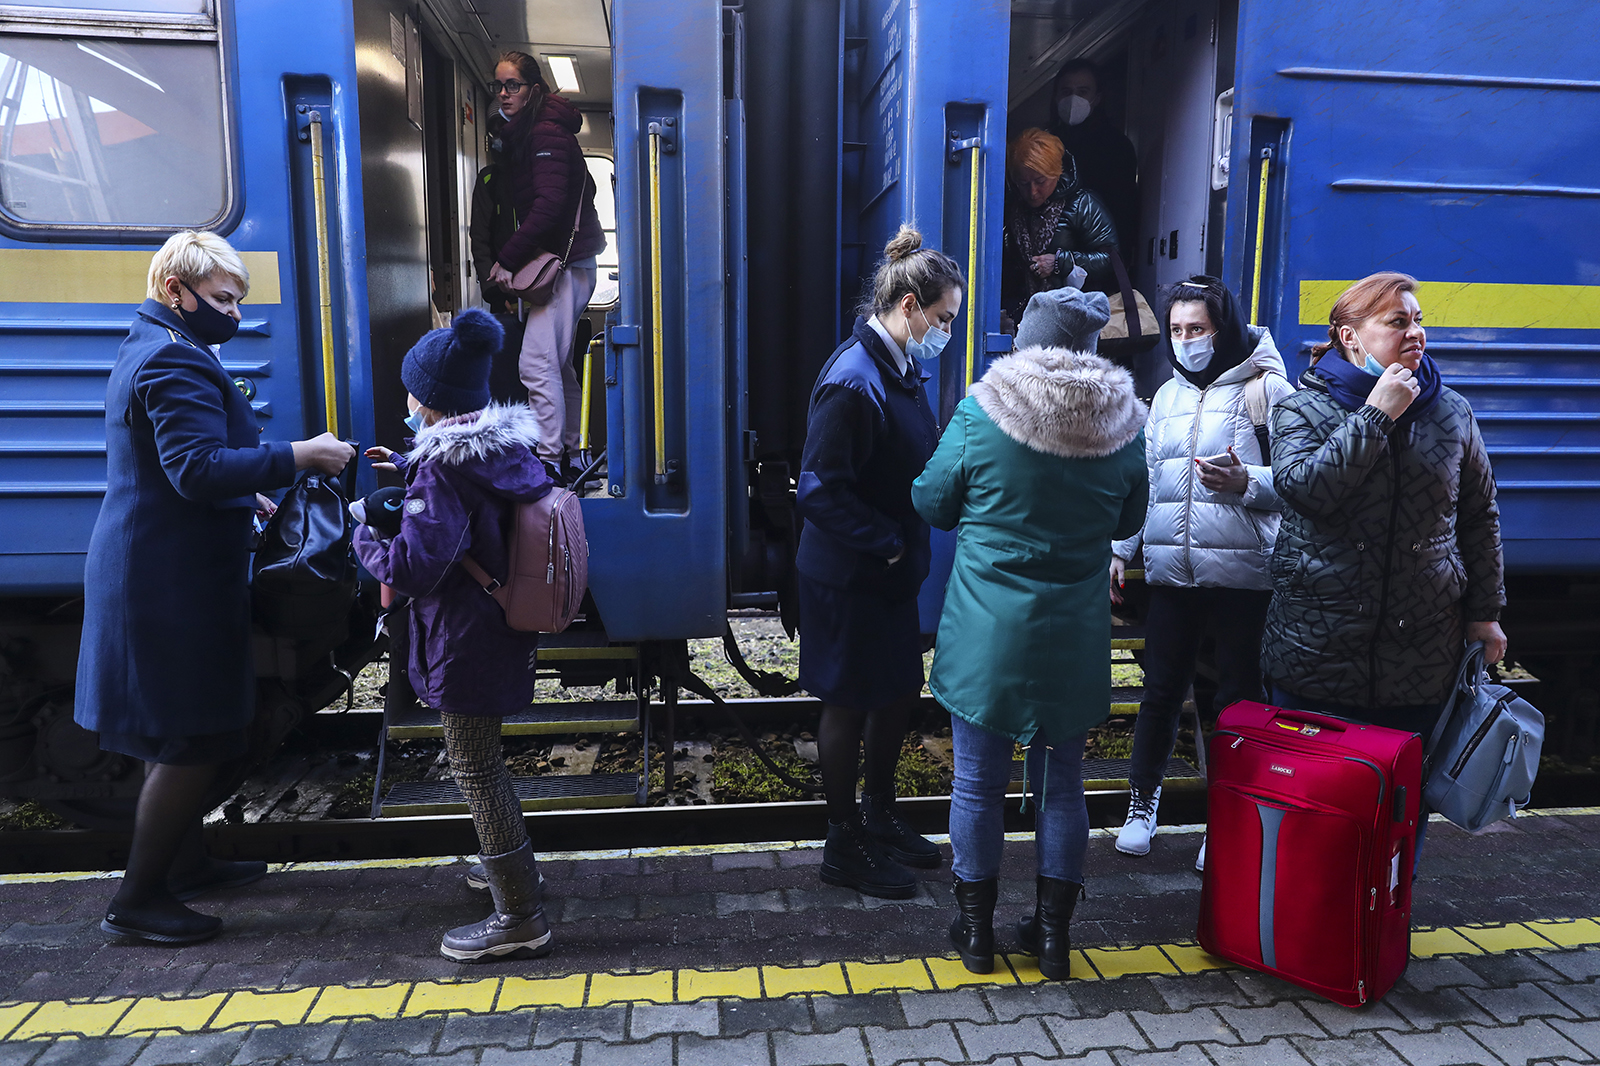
[1193, 536]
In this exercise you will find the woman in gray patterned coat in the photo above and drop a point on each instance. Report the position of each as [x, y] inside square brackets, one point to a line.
[1389, 552]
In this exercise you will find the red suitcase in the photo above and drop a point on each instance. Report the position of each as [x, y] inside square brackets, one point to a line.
[1309, 845]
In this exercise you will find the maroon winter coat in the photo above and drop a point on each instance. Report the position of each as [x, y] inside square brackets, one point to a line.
[462, 480]
[547, 175]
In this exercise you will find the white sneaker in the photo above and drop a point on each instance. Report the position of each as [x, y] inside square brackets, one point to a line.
[1200, 859]
[1134, 839]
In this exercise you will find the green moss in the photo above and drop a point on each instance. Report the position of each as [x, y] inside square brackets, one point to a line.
[738, 776]
[919, 773]
[30, 815]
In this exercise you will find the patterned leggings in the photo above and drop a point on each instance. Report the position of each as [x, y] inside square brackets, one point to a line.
[473, 744]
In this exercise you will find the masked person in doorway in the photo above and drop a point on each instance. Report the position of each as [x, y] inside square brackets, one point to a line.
[1208, 535]
[864, 554]
[164, 670]
[1108, 166]
[1052, 225]
[549, 191]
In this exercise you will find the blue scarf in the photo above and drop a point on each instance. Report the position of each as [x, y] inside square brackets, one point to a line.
[1349, 385]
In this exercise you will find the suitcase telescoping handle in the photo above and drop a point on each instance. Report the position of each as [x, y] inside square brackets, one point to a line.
[1307, 723]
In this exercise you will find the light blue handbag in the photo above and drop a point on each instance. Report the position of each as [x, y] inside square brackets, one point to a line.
[1484, 753]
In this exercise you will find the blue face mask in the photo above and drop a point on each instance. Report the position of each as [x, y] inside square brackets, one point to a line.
[414, 421]
[1374, 367]
[931, 344]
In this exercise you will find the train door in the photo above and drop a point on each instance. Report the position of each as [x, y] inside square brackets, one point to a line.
[661, 529]
[1459, 151]
[929, 137]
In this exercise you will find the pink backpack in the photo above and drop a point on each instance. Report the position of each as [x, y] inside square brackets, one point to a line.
[547, 557]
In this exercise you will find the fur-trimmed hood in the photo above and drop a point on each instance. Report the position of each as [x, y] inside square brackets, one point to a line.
[492, 447]
[1061, 402]
[477, 435]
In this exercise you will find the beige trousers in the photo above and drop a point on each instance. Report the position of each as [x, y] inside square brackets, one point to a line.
[545, 364]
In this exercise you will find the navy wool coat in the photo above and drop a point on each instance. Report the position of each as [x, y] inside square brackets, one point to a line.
[869, 435]
[166, 620]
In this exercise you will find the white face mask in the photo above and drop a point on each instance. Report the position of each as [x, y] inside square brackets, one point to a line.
[1073, 109]
[1194, 355]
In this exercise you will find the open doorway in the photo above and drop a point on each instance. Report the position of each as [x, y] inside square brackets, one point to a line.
[1162, 71]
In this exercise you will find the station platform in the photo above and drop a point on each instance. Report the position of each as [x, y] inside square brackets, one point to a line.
[738, 954]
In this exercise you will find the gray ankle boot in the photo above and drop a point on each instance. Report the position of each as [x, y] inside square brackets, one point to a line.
[518, 923]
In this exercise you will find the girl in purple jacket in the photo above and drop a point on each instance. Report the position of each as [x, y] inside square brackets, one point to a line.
[472, 462]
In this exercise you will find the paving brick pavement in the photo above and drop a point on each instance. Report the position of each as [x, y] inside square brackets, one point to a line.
[735, 957]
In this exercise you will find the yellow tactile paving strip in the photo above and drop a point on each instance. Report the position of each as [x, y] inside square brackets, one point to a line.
[228, 1010]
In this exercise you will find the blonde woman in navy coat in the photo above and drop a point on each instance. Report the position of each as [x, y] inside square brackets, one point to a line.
[164, 671]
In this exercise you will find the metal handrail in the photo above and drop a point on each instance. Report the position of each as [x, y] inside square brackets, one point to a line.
[972, 266]
[588, 391]
[657, 331]
[1261, 242]
[330, 399]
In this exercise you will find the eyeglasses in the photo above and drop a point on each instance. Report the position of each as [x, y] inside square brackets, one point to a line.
[510, 88]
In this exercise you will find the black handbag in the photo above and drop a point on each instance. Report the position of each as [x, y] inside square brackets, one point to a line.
[303, 578]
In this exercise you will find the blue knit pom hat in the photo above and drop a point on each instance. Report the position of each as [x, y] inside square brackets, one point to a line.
[448, 369]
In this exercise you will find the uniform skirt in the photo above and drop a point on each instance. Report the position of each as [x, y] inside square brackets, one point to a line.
[857, 649]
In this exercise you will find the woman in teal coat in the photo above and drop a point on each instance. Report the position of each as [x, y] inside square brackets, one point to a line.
[1042, 466]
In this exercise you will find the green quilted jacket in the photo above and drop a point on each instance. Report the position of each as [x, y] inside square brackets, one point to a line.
[1390, 544]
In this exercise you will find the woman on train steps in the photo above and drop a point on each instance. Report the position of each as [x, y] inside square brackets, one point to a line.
[1041, 466]
[864, 555]
[553, 208]
[164, 671]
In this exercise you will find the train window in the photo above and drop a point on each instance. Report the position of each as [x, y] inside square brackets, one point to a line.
[112, 8]
[111, 133]
[606, 288]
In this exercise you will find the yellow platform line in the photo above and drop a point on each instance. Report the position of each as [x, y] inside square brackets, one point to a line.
[216, 1011]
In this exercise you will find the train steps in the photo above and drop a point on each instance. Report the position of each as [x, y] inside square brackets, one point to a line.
[579, 650]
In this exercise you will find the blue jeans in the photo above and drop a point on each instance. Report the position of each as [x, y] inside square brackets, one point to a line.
[978, 795]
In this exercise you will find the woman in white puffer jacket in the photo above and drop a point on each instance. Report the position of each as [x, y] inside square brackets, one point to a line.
[1210, 527]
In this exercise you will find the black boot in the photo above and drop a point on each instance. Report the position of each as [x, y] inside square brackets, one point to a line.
[852, 859]
[517, 924]
[895, 837]
[1046, 934]
[972, 932]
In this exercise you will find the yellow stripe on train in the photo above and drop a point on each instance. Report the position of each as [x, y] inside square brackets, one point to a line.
[88, 276]
[1477, 305]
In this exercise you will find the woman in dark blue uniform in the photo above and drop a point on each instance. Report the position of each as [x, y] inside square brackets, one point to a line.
[164, 671]
[863, 557]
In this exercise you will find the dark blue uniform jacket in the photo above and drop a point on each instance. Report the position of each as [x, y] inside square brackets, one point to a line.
[166, 626]
[869, 434]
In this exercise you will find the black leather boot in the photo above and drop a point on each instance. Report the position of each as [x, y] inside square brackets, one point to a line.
[972, 932]
[852, 859]
[1046, 934]
[518, 923]
[895, 837]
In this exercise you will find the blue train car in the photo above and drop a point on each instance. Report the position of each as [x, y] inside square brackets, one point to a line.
[752, 158]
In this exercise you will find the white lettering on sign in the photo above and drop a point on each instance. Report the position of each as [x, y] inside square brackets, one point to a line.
[1278, 768]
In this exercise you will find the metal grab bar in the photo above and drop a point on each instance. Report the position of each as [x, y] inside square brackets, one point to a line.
[1261, 242]
[657, 331]
[588, 391]
[972, 267]
[330, 397]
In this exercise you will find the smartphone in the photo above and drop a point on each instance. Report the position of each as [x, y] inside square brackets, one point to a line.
[1225, 459]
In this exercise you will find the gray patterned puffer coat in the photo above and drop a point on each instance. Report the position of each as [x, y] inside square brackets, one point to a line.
[1390, 544]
